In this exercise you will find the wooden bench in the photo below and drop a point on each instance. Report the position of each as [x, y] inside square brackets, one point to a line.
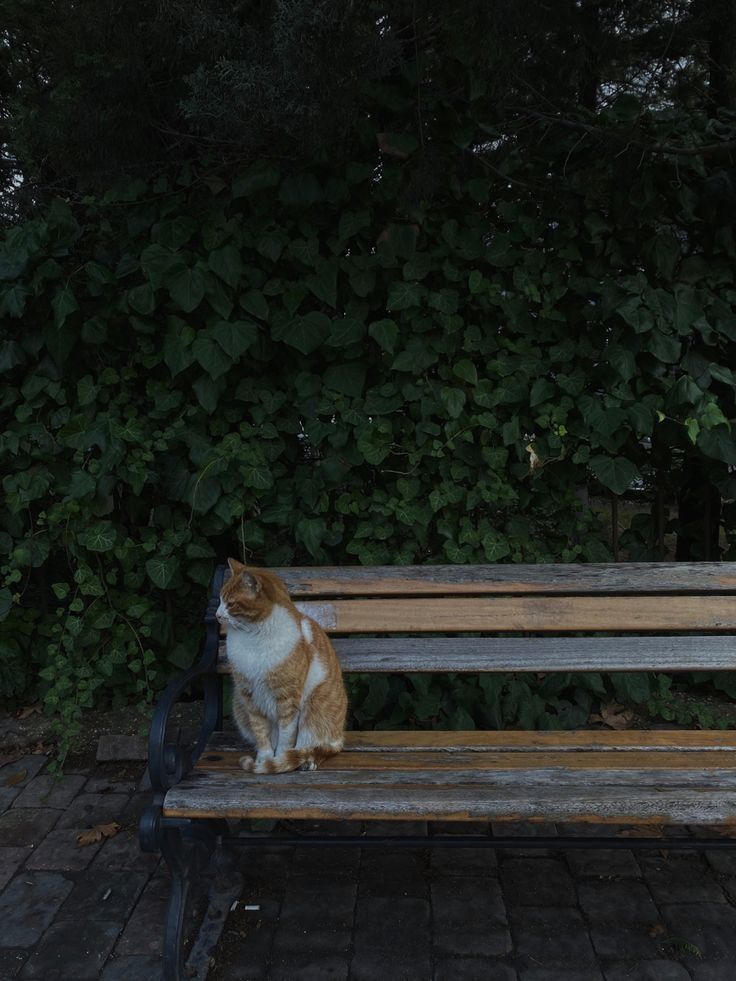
[561, 618]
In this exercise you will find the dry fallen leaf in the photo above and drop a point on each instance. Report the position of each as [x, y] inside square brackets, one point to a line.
[657, 930]
[97, 833]
[34, 709]
[614, 716]
[16, 778]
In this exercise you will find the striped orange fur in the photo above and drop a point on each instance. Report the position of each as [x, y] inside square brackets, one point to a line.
[288, 694]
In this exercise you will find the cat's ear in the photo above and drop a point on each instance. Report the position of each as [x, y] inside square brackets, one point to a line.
[251, 583]
[235, 566]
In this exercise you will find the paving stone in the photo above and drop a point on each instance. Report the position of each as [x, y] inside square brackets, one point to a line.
[143, 933]
[47, 791]
[611, 939]
[135, 968]
[89, 809]
[247, 938]
[463, 861]
[710, 926]
[72, 949]
[621, 902]
[113, 747]
[32, 764]
[390, 964]
[536, 882]
[11, 860]
[396, 922]
[124, 852]
[551, 937]
[469, 917]
[714, 971]
[605, 862]
[723, 862]
[472, 969]
[295, 968]
[681, 879]
[380, 863]
[265, 865]
[103, 896]
[109, 784]
[29, 904]
[11, 962]
[648, 971]
[22, 826]
[131, 814]
[59, 850]
[316, 916]
[312, 861]
[558, 974]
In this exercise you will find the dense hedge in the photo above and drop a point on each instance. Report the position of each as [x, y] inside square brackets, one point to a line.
[317, 367]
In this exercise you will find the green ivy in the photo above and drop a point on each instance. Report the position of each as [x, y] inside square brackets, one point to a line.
[318, 367]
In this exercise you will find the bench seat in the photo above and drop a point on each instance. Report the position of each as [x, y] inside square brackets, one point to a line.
[633, 777]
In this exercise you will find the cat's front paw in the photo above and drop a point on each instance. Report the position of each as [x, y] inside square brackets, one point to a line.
[247, 763]
[308, 765]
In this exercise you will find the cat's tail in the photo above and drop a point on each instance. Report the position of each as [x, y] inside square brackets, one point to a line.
[308, 758]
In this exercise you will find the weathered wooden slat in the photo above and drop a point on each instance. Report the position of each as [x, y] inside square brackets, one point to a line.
[428, 580]
[471, 654]
[576, 796]
[469, 767]
[542, 614]
[388, 741]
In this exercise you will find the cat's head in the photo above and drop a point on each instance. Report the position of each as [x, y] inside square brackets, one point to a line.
[249, 595]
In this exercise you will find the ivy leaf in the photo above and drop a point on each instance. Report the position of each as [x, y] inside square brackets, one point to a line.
[162, 571]
[208, 391]
[99, 537]
[324, 283]
[304, 333]
[664, 348]
[719, 444]
[235, 338]
[257, 475]
[346, 378]
[454, 400]
[64, 303]
[186, 289]
[255, 304]
[346, 331]
[386, 332]
[211, 356]
[13, 301]
[622, 359]
[227, 264]
[615, 473]
[466, 370]
[141, 299]
[178, 353]
[402, 296]
[161, 265]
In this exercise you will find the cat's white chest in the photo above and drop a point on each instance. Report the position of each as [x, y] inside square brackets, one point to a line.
[257, 649]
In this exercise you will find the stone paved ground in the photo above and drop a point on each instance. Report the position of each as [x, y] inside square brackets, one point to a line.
[70, 913]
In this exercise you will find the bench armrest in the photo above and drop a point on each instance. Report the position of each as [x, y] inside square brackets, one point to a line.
[169, 761]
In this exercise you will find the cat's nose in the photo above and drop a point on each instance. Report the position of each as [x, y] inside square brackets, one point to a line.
[221, 613]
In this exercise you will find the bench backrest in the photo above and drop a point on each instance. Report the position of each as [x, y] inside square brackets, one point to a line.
[653, 616]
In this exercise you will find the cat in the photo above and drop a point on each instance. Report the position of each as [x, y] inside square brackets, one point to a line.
[288, 692]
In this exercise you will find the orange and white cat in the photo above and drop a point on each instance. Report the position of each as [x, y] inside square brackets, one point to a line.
[288, 693]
